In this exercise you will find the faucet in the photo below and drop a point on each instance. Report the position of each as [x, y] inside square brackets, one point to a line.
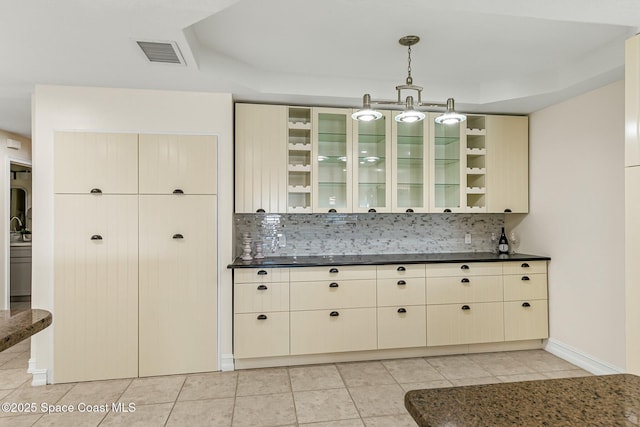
[11, 221]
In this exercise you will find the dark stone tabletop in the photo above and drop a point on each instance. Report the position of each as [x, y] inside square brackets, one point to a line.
[15, 327]
[608, 400]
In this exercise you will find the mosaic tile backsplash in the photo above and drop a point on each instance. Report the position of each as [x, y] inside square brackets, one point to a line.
[363, 234]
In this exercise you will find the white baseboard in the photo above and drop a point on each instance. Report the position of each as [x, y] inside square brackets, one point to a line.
[226, 362]
[39, 375]
[581, 359]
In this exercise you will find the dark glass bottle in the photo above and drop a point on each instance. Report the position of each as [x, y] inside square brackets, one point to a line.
[503, 243]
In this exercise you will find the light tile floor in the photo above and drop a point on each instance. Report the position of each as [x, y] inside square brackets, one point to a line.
[336, 395]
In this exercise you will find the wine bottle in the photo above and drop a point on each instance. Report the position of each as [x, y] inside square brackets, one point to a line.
[503, 243]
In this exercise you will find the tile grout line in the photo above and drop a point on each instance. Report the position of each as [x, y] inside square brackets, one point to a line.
[349, 393]
[176, 400]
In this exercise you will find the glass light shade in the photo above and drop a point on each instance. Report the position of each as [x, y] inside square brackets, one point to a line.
[450, 117]
[410, 116]
[366, 115]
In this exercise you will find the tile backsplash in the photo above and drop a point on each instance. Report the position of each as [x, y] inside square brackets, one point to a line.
[358, 234]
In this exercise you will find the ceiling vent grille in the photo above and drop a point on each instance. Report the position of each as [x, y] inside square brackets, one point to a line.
[164, 52]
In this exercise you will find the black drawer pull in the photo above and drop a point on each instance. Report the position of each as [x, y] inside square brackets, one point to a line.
[524, 265]
[447, 210]
[262, 272]
[262, 287]
[401, 268]
[465, 307]
[409, 210]
[334, 314]
[465, 280]
[178, 236]
[178, 191]
[525, 278]
[260, 210]
[526, 304]
[402, 310]
[334, 270]
[507, 210]
[464, 267]
[262, 317]
[401, 282]
[96, 237]
[371, 210]
[332, 211]
[333, 285]
[96, 191]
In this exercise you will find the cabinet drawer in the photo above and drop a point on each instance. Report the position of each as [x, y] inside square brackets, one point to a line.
[330, 331]
[526, 286]
[526, 320]
[261, 335]
[332, 295]
[400, 327]
[342, 272]
[464, 269]
[261, 297]
[452, 290]
[409, 290]
[260, 275]
[452, 324]
[20, 252]
[400, 270]
[524, 267]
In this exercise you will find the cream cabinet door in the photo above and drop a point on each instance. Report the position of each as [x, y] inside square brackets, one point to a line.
[330, 295]
[261, 335]
[178, 285]
[260, 297]
[96, 287]
[451, 324]
[261, 158]
[178, 164]
[409, 290]
[402, 326]
[526, 320]
[87, 162]
[507, 164]
[530, 286]
[449, 290]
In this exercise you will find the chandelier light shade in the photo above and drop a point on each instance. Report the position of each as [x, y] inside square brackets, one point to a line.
[410, 106]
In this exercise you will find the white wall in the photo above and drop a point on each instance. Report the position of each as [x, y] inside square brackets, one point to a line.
[6, 155]
[124, 110]
[577, 218]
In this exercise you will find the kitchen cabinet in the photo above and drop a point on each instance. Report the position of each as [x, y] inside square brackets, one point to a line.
[88, 162]
[526, 306]
[507, 164]
[96, 287]
[299, 179]
[20, 273]
[261, 153]
[632, 102]
[448, 166]
[410, 166]
[476, 159]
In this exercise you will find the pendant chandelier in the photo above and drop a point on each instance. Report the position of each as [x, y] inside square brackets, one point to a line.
[410, 113]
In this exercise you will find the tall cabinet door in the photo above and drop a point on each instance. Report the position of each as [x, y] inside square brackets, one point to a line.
[96, 287]
[177, 164]
[177, 284]
[448, 167]
[372, 165]
[410, 168]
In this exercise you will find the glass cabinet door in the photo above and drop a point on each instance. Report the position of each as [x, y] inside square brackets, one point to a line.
[448, 167]
[410, 154]
[332, 160]
[372, 172]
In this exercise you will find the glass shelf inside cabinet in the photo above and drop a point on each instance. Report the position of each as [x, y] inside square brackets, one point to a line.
[332, 160]
[410, 166]
[447, 164]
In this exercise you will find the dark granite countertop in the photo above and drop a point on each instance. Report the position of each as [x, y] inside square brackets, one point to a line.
[19, 326]
[313, 261]
[609, 400]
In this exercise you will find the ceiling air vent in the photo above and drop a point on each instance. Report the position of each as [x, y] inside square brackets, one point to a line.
[165, 52]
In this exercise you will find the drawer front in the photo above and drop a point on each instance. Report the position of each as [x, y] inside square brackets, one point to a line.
[453, 290]
[408, 290]
[402, 326]
[526, 286]
[261, 297]
[452, 324]
[332, 294]
[319, 331]
[400, 271]
[260, 275]
[464, 269]
[524, 267]
[261, 335]
[342, 272]
[526, 320]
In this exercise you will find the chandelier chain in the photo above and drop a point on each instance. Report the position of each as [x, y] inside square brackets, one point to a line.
[409, 78]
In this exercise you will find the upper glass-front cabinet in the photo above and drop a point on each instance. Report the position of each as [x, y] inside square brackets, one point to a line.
[410, 166]
[372, 166]
[332, 151]
[449, 165]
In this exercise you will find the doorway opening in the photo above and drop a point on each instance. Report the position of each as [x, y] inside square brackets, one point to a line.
[19, 236]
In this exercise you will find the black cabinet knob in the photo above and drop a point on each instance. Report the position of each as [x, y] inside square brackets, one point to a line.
[178, 191]
[526, 304]
[333, 285]
[334, 314]
[401, 268]
[178, 236]
[260, 210]
[524, 265]
[262, 317]
[402, 310]
[401, 282]
[332, 211]
[507, 210]
[409, 210]
[525, 278]
[465, 280]
[96, 191]
[262, 288]
[96, 237]
[262, 272]
[465, 307]
[447, 210]
[371, 210]
[464, 267]
[334, 270]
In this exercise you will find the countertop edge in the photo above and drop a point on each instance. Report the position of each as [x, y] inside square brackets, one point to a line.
[23, 325]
